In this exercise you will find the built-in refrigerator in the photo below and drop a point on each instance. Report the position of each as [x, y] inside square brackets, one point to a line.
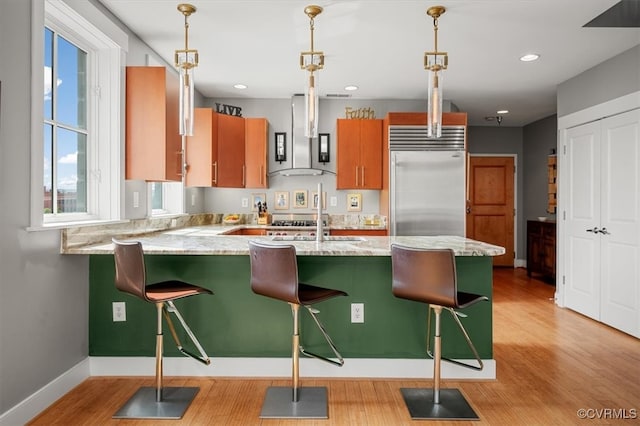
[427, 181]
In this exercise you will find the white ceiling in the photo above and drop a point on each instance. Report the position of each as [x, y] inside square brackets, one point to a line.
[379, 46]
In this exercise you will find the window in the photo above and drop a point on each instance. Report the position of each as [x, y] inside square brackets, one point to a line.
[76, 170]
[65, 126]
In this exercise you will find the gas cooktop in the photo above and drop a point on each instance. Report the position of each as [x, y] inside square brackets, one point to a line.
[298, 220]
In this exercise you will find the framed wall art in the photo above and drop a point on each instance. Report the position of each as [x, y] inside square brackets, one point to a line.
[300, 199]
[257, 198]
[281, 201]
[354, 202]
[314, 200]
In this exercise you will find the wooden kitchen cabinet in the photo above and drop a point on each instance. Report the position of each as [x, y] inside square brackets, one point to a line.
[216, 151]
[256, 151]
[359, 146]
[541, 249]
[153, 144]
[230, 137]
[202, 151]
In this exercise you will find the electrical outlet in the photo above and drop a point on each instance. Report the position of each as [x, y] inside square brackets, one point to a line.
[333, 201]
[245, 202]
[357, 312]
[119, 311]
[136, 199]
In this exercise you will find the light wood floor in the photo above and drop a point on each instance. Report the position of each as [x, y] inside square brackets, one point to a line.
[551, 362]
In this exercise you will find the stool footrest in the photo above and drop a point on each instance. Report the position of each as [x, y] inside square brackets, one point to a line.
[454, 314]
[340, 361]
[169, 307]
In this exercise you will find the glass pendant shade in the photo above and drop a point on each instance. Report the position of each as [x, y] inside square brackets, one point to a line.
[434, 105]
[311, 108]
[186, 68]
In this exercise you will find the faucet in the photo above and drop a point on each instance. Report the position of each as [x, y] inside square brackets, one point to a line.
[319, 232]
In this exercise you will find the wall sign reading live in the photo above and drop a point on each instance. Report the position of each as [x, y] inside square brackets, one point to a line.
[228, 109]
[360, 113]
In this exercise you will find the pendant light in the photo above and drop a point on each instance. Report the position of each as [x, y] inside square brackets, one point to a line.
[186, 60]
[435, 62]
[311, 61]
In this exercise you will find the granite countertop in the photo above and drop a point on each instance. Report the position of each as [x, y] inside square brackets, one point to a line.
[210, 240]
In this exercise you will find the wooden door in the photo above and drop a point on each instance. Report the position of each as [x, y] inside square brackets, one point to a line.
[491, 209]
[620, 222]
[370, 154]
[348, 160]
[582, 210]
[256, 143]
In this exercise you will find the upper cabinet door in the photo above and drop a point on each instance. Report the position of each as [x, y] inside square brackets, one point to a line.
[359, 154]
[231, 166]
[256, 152]
[153, 142]
[202, 151]
[371, 154]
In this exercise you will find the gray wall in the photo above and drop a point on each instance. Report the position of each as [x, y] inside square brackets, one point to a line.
[609, 80]
[43, 300]
[43, 295]
[539, 140]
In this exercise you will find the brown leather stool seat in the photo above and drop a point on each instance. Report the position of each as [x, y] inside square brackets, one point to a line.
[429, 276]
[274, 273]
[156, 402]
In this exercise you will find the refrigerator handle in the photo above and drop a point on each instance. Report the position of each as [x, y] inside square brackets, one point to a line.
[392, 194]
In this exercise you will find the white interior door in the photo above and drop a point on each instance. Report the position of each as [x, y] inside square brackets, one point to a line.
[620, 216]
[582, 273]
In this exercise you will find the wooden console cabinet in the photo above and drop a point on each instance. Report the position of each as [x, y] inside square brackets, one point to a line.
[541, 249]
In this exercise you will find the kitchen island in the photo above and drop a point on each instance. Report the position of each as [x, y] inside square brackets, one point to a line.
[246, 334]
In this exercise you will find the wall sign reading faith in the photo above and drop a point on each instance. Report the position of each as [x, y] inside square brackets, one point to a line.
[360, 113]
[228, 109]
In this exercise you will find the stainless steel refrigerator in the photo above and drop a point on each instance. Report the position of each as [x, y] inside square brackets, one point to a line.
[427, 182]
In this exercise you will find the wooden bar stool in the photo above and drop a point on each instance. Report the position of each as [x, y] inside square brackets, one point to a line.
[429, 276]
[274, 273]
[156, 402]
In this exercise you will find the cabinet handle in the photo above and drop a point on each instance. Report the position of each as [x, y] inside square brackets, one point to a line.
[604, 231]
[243, 175]
[215, 173]
[362, 173]
[261, 181]
[595, 230]
[180, 155]
[356, 175]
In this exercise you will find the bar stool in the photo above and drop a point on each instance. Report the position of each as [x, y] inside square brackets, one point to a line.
[156, 402]
[274, 273]
[429, 276]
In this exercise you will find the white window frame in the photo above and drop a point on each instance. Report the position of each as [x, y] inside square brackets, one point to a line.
[84, 25]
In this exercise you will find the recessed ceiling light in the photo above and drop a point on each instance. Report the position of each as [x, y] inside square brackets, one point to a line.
[503, 111]
[240, 86]
[529, 57]
[351, 88]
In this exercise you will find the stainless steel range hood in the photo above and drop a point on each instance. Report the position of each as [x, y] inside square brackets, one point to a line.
[300, 145]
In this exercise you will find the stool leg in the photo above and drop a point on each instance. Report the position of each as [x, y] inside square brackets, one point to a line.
[159, 345]
[295, 355]
[437, 355]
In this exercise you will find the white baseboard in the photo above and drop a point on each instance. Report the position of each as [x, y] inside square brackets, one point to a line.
[281, 367]
[47, 395]
[520, 263]
[234, 367]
